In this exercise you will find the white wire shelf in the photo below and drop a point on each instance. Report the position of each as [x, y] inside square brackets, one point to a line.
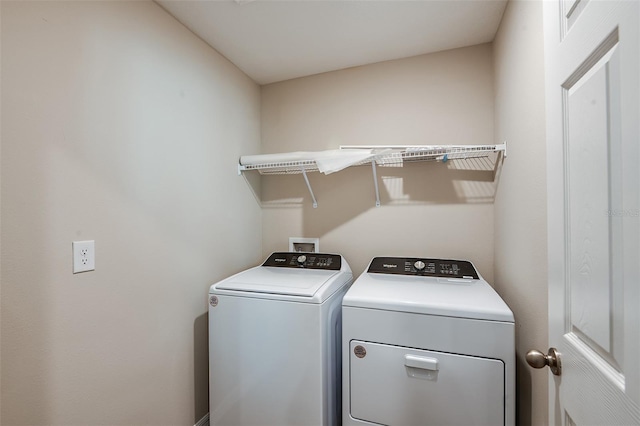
[376, 155]
[281, 167]
[389, 155]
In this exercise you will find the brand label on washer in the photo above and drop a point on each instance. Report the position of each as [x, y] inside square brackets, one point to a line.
[360, 351]
[213, 301]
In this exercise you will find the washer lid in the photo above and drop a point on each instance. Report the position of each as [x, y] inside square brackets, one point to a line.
[264, 279]
[453, 297]
[312, 277]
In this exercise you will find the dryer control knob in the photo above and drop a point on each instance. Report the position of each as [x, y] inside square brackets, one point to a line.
[301, 259]
[419, 265]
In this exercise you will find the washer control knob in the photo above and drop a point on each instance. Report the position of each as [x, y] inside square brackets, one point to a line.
[301, 259]
[419, 265]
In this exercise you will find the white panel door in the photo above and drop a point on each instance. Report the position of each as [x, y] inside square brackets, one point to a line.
[592, 79]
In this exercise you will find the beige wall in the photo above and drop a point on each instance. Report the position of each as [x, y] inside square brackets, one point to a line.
[0, 215]
[520, 205]
[121, 126]
[118, 125]
[428, 209]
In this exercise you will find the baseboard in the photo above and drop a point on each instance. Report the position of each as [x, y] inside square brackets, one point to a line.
[204, 421]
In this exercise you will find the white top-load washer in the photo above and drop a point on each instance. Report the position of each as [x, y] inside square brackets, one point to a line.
[275, 342]
[426, 342]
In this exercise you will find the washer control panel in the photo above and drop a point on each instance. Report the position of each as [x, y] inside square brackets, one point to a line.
[423, 267]
[331, 262]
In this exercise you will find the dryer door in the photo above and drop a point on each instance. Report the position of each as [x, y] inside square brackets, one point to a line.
[393, 385]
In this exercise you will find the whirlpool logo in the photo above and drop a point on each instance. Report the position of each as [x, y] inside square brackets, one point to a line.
[389, 266]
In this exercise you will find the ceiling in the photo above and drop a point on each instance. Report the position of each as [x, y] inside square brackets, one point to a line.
[275, 40]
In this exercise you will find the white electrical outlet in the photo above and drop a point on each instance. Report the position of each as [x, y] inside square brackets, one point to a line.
[84, 256]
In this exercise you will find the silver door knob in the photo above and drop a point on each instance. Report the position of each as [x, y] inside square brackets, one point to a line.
[537, 359]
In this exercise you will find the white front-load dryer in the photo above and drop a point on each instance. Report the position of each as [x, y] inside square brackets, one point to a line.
[426, 342]
[275, 342]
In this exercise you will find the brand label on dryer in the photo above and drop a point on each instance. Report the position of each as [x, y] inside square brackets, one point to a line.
[360, 351]
[213, 301]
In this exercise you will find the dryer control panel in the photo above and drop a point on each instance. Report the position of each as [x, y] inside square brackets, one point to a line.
[423, 267]
[330, 262]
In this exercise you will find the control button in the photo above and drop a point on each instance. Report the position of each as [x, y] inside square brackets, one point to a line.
[301, 259]
[419, 265]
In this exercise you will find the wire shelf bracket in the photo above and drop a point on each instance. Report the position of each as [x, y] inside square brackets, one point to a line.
[313, 197]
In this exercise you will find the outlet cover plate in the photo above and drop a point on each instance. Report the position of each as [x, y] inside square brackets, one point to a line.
[84, 256]
[305, 245]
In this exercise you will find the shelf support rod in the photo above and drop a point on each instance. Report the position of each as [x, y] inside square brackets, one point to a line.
[306, 179]
[375, 181]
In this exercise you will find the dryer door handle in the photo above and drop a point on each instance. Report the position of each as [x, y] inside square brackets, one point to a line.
[422, 362]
